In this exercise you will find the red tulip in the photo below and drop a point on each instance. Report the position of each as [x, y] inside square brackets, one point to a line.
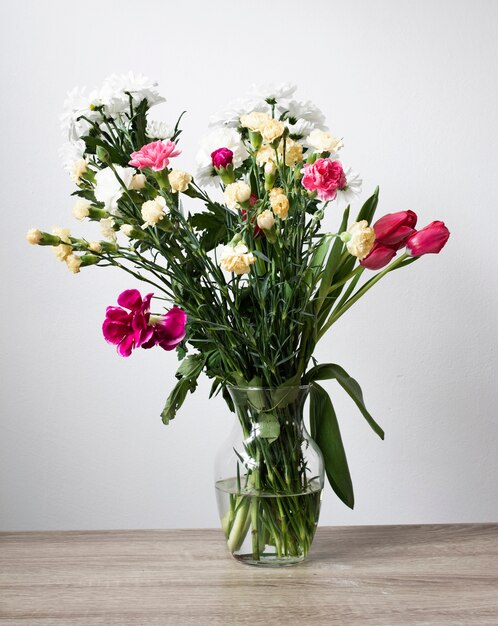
[379, 256]
[394, 229]
[429, 240]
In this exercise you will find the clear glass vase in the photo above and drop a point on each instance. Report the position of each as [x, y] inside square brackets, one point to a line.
[269, 478]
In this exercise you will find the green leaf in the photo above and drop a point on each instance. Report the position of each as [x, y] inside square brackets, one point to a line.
[332, 264]
[187, 373]
[269, 427]
[368, 209]
[325, 431]
[328, 371]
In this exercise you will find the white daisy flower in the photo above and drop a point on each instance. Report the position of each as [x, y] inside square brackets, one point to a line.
[159, 130]
[296, 111]
[71, 152]
[219, 138]
[76, 105]
[108, 189]
[115, 90]
[230, 117]
[272, 93]
[352, 188]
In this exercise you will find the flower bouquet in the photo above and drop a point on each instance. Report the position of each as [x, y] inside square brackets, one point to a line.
[250, 282]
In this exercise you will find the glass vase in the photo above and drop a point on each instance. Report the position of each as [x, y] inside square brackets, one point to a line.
[269, 478]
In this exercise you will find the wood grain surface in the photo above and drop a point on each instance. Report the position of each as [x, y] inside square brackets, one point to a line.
[385, 575]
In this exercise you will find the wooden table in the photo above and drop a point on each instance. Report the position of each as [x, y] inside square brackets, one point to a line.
[444, 574]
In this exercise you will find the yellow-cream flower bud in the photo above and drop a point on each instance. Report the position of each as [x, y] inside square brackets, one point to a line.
[324, 142]
[236, 193]
[273, 129]
[179, 180]
[266, 220]
[126, 229]
[78, 168]
[63, 250]
[153, 211]
[95, 246]
[34, 236]
[254, 121]
[359, 238]
[138, 182]
[73, 263]
[81, 209]
[236, 259]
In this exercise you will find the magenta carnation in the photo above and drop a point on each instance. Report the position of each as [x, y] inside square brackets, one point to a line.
[128, 329]
[155, 155]
[170, 330]
[221, 158]
[325, 177]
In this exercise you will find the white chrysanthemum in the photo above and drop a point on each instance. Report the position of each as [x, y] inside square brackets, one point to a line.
[159, 130]
[77, 105]
[115, 90]
[73, 159]
[302, 117]
[219, 138]
[108, 188]
[352, 188]
[273, 92]
[230, 117]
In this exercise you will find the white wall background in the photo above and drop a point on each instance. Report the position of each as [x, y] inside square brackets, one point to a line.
[413, 89]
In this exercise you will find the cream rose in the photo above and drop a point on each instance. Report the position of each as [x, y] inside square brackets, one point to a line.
[254, 121]
[273, 129]
[236, 193]
[153, 211]
[324, 142]
[266, 220]
[179, 180]
[138, 182]
[81, 209]
[359, 238]
[236, 259]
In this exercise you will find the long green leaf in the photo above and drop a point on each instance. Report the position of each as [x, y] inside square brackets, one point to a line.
[325, 431]
[329, 371]
[187, 374]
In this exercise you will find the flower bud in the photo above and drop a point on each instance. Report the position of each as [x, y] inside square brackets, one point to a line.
[138, 182]
[221, 158]
[179, 180]
[102, 155]
[266, 220]
[429, 240]
[395, 228]
[379, 256]
[270, 171]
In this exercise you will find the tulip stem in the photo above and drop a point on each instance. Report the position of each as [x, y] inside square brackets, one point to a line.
[368, 285]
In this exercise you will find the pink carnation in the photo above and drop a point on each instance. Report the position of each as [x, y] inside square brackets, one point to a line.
[325, 177]
[155, 155]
